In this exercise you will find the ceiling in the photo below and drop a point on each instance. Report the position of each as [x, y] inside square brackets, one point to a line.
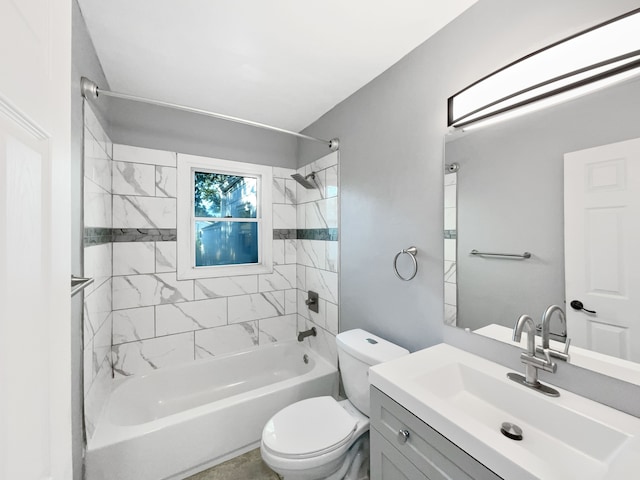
[281, 62]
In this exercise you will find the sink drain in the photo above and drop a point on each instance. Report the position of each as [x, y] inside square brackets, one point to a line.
[511, 430]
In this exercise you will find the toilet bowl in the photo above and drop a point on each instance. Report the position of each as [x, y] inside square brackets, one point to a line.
[311, 438]
[320, 437]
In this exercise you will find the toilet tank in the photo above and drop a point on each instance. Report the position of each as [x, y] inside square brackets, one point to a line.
[357, 351]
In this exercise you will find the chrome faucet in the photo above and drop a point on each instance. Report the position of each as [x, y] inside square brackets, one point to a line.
[525, 323]
[532, 363]
[545, 332]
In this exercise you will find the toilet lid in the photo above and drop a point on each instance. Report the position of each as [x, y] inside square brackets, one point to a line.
[309, 427]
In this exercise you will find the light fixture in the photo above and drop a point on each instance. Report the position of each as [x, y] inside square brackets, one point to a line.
[589, 60]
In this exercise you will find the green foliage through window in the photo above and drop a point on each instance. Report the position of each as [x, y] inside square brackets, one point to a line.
[224, 196]
[230, 197]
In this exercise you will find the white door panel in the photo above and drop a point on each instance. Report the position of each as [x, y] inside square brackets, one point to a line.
[35, 136]
[24, 373]
[602, 235]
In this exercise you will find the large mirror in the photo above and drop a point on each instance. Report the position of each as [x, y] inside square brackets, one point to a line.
[562, 184]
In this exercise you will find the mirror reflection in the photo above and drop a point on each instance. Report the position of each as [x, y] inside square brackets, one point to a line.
[562, 184]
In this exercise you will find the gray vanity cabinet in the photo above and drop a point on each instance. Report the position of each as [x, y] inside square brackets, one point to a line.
[388, 463]
[404, 447]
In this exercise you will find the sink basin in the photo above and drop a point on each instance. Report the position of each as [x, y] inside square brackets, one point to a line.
[467, 398]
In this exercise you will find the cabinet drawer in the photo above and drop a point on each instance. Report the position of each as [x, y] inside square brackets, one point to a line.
[432, 453]
[387, 463]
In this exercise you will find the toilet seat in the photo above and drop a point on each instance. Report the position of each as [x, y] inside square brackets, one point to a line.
[309, 428]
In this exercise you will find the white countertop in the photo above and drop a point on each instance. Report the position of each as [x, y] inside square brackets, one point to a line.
[466, 397]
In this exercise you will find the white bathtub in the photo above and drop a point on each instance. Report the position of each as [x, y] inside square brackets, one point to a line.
[177, 421]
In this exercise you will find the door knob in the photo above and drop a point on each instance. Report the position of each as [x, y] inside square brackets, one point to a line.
[578, 305]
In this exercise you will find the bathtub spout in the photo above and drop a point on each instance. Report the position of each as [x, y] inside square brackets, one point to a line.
[307, 333]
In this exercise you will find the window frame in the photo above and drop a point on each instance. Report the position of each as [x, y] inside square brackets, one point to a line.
[187, 165]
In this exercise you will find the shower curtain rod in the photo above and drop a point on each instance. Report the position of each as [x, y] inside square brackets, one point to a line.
[90, 90]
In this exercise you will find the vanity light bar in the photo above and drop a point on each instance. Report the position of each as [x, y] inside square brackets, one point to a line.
[606, 51]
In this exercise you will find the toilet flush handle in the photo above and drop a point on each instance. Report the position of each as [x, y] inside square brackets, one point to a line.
[403, 436]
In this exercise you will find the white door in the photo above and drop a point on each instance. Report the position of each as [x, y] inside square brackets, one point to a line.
[35, 383]
[602, 247]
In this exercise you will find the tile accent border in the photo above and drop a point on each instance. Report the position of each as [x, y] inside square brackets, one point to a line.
[284, 234]
[98, 236]
[327, 234]
[144, 234]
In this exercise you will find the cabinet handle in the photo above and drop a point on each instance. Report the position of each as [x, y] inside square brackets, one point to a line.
[403, 436]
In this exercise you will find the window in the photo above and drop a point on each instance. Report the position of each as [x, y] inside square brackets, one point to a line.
[224, 218]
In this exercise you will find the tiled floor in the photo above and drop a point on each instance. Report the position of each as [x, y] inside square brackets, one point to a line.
[245, 467]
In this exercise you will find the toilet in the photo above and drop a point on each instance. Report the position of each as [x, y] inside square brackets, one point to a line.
[320, 437]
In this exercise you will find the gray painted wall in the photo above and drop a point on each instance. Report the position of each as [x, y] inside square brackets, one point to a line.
[160, 128]
[391, 134]
[84, 63]
[510, 199]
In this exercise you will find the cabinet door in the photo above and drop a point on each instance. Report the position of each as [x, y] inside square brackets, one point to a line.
[434, 455]
[387, 463]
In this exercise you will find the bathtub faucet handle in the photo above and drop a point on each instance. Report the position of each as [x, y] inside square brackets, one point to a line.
[312, 301]
[312, 332]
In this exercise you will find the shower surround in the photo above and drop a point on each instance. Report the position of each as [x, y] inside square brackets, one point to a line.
[142, 318]
[161, 321]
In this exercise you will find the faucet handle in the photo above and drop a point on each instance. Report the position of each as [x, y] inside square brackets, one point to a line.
[564, 355]
[541, 363]
[547, 354]
[549, 366]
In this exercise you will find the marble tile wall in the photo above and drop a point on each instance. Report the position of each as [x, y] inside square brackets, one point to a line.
[160, 321]
[318, 260]
[450, 239]
[97, 317]
[139, 317]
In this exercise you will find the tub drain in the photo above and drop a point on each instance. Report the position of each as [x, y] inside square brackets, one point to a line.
[511, 430]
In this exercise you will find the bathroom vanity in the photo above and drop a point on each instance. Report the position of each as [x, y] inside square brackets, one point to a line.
[440, 413]
[404, 447]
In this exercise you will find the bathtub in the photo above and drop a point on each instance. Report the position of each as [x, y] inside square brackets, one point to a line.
[177, 421]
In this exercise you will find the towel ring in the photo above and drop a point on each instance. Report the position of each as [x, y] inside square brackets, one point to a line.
[412, 252]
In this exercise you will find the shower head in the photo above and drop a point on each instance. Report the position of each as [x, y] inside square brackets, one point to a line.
[304, 181]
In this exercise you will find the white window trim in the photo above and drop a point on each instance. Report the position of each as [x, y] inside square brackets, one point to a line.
[186, 242]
